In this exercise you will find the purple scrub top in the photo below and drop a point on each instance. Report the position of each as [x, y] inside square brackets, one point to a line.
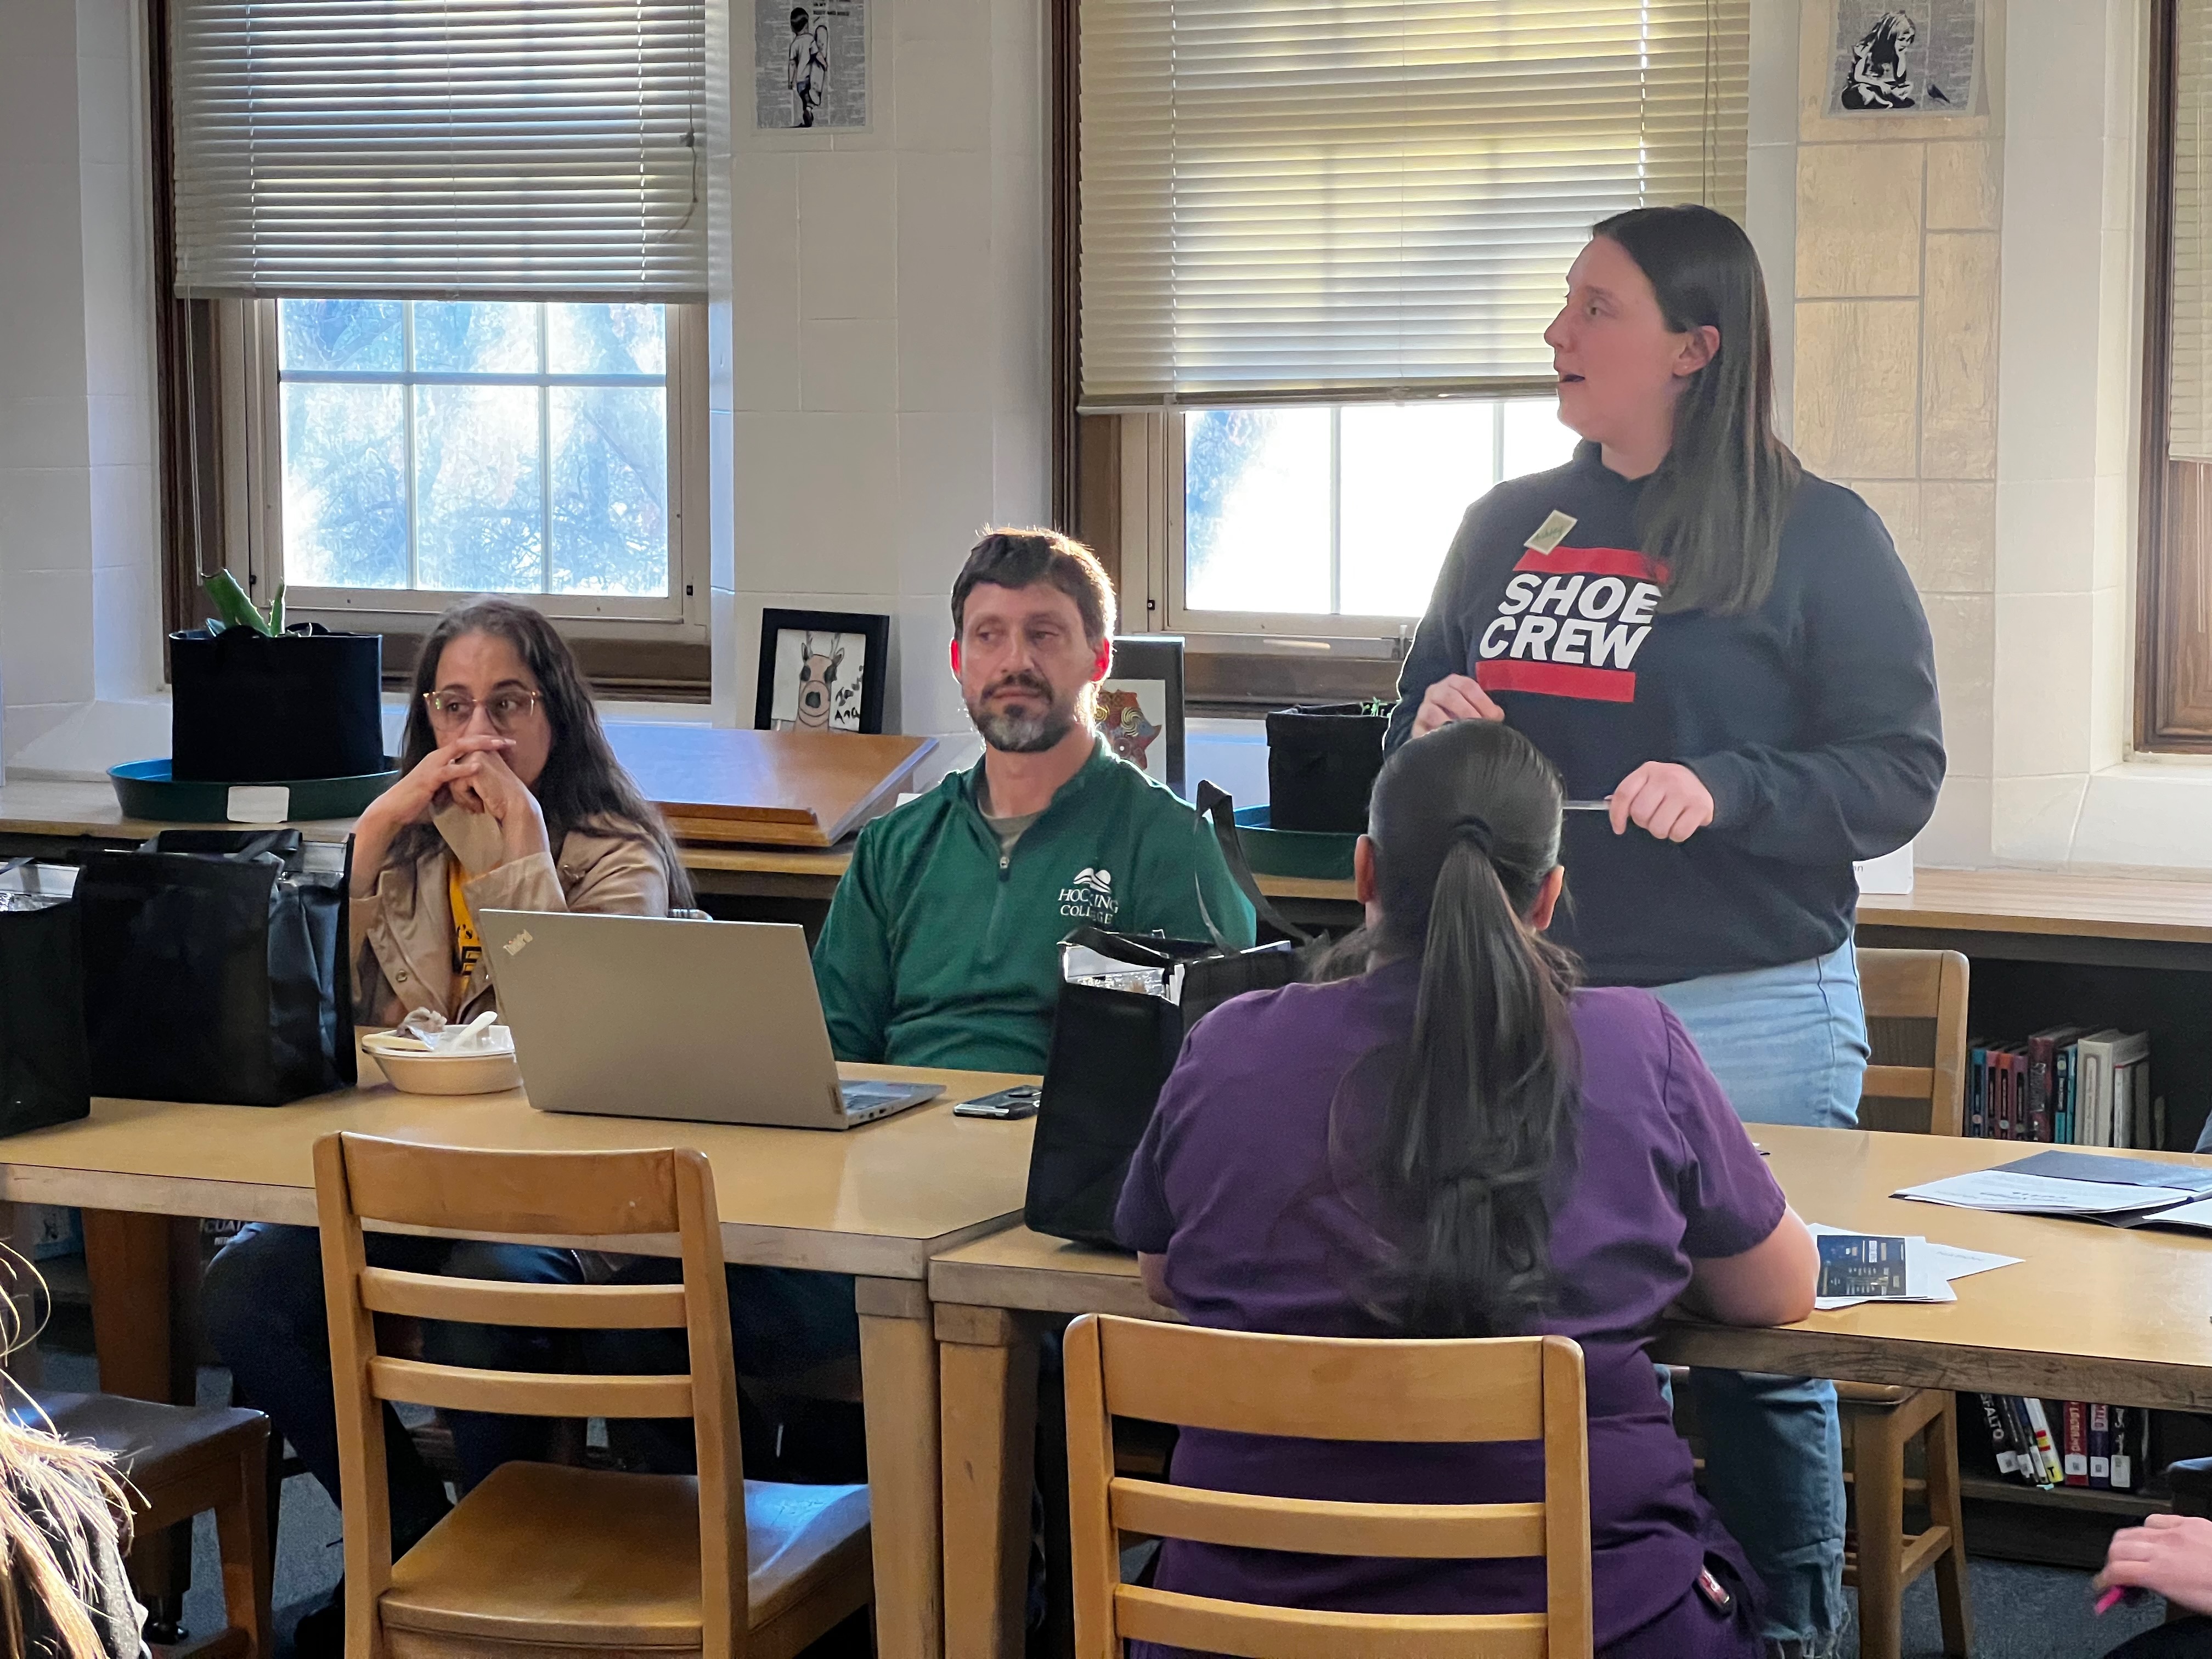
[1233, 1183]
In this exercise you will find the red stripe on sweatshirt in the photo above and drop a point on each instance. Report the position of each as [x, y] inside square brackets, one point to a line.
[1594, 561]
[1556, 679]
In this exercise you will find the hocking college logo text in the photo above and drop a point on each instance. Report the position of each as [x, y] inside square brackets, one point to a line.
[1089, 897]
[1571, 624]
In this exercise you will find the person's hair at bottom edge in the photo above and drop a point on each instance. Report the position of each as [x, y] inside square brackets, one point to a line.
[1480, 1107]
[59, 1504]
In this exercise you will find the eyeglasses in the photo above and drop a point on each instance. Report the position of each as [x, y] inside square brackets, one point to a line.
[508, 709]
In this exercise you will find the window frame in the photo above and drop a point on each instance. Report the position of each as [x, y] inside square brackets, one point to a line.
[2173, 710]
[253, 466]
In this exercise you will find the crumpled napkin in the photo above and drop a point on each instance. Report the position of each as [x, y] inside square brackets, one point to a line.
[427, 1031]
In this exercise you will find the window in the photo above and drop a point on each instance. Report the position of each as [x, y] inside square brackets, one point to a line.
[1339, 517]
[396, 452]
[1305, 253]
[2173, 655]
[439, 272]
[472, 446]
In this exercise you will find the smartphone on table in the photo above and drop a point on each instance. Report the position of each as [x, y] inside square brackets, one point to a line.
[1021, 1101]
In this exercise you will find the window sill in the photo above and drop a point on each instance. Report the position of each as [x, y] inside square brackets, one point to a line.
[1246, 683]
[111, 732]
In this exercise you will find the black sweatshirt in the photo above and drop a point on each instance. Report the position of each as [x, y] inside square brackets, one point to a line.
[1813, 719]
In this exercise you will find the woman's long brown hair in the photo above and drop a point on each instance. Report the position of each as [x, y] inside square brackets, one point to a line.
[583, 786]
[1713, 511]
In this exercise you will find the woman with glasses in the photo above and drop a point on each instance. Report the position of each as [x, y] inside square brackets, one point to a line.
[511, 799]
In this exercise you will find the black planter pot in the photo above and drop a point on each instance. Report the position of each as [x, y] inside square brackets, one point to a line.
[252, 709]
[1322, 762]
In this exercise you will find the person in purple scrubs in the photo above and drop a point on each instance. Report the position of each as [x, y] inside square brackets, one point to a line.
[1455, 1141]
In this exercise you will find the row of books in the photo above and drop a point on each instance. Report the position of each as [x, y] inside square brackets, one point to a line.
[2069, 1085]
[2068, 1442]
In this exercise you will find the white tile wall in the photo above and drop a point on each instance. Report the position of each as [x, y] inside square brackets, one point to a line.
[79, 607]
[888, 341]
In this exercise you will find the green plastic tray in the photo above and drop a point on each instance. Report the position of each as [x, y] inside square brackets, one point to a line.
[145, 790]
[1305, 852]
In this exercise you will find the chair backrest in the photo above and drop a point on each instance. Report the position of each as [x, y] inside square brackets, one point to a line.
[1325, 1389]
[1916, 1006]
[537, 1197]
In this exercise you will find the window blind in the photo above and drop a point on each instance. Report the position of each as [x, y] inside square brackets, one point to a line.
[2189, 418]
[1334, 199]
[515, 149]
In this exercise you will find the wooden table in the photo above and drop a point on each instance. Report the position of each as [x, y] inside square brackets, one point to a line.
[2090, 1313]
[878, 1202]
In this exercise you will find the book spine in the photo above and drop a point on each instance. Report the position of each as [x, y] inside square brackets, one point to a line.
[2139, 1100]
[2125, 1429]
[2000, 1086]
[2001, 1441]
[1977, 1093]
[2039, 1088]
[2015, 1074]
[2100, 1445]
[2094, 1128]
[2062, 1096]
[2123, 1105]
[2022, 1437]
[2046, 1449]
[2075, 1457]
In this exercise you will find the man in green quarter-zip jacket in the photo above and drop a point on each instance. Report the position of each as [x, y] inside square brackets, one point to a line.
[942, 943]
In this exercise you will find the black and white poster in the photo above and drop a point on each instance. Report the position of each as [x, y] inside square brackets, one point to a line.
[1919, 58]
[809, 65]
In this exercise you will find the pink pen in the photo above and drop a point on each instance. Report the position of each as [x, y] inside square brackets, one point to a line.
[2111, 1599]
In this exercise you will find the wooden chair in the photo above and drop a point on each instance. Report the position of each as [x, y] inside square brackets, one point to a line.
[548, 1560]
[1916, 1005]
[1312, 1388]
[177, 1461]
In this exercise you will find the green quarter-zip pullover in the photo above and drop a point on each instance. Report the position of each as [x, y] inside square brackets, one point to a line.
[943, 950]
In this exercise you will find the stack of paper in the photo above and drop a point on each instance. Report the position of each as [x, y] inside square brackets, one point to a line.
[1857, 1267]
[2009, 1193]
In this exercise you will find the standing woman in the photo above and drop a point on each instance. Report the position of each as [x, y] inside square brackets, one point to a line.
[1689, 624]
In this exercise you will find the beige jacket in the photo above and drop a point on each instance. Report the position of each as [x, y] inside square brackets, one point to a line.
[403, 932]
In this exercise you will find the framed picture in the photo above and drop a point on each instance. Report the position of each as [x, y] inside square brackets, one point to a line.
[1140, 705]
[822, 671]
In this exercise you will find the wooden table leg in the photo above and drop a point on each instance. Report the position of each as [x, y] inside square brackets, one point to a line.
[898, 1388]
[144, 1272]
[987, 1360]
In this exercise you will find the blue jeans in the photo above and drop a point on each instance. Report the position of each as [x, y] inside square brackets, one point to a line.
[782, 1322]
[1789, 1044]
[263, 1304]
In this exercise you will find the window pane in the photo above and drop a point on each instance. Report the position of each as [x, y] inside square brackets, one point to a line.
[1255, 510]
[322, 334]
[606, 340]
[1534, 440]
[609, 490]
[476, 484]
[345, 495]
[1409, 472]
[476, 337]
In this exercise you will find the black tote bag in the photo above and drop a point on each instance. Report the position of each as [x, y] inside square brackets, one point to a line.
[1112, 1048]
[43, 1079]
[1322, 762]
[214, 969]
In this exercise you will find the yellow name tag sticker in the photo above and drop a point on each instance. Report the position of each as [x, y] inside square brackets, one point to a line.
[1550, 533]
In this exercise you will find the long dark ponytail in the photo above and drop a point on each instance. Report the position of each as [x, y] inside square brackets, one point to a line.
[1482, 1111]
[1712, 513]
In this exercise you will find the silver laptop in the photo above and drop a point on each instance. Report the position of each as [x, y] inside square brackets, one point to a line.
[717, 1022]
